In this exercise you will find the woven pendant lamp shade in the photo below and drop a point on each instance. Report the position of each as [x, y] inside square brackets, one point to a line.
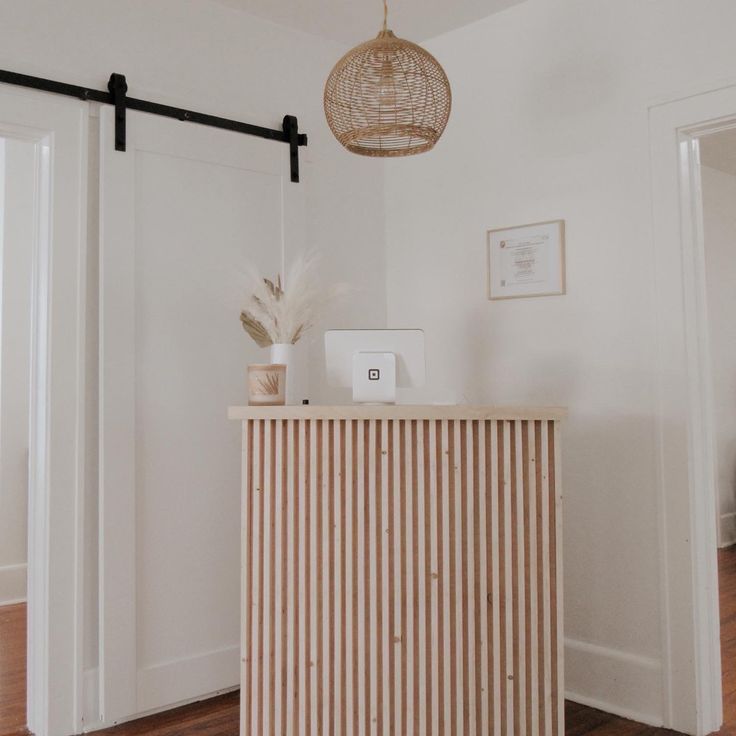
[387, 97]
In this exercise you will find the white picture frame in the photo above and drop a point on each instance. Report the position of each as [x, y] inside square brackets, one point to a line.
[526, 260]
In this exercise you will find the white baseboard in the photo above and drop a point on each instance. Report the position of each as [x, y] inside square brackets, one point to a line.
[13, 584]
[176, 683]
[184, 679]
[727, 535]
[91, 727]
[621, 683]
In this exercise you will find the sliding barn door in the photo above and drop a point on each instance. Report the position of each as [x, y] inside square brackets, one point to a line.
[183, 211]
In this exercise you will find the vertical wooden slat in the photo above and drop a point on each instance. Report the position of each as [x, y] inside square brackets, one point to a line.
[362, 608]
[410, 498]
[557, 601]
[302, 585]
[494, 542]
[553, 560]
[520, 537]
[386, 694]
[539, 490]
[246, 607]
[398, 620]
[434, 543]
[484, 582]
[471, 600]
[513, 579]
[507, 647]
[278, 581]
[256, 576]
[423, 642]
[292, 552]
[284, 577]
[547, 679]
[266, 686]
[458, 627]
[533, 693]
[526, 577]
[340, 491]
[313, 654]
[444, 570]
[350, 567]
[327, 571]
[373, 590]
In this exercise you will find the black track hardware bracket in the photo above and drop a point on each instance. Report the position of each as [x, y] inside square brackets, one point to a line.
[291, 131]
[118, 89]
[117, 95]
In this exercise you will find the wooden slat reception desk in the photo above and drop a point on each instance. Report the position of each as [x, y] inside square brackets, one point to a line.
[401, 571]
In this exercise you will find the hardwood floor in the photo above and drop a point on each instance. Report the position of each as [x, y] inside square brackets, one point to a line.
[13, 669]
[727, 585]
[219, 716]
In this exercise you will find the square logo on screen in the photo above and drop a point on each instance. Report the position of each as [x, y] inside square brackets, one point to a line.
[374, 374]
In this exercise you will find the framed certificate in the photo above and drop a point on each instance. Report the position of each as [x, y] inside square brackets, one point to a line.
[527, 260]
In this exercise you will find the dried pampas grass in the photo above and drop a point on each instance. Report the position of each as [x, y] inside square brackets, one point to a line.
[281, 313]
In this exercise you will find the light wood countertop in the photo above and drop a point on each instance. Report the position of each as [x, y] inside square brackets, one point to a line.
[404, 411]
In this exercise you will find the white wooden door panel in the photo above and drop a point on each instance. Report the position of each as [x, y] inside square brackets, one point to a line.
[183, 210]
[57, 128]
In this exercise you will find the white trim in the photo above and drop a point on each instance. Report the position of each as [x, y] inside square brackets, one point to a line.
[626, 684]
[692, 700]
[91, 706]
[13, 584]
[58, 126]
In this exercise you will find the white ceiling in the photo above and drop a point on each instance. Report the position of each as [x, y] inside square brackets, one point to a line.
[354, 21]
[718, 151]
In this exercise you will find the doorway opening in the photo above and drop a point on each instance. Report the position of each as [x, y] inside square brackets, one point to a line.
[717, 158]
[19, 167]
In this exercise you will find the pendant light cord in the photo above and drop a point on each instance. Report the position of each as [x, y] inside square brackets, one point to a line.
[385, 15]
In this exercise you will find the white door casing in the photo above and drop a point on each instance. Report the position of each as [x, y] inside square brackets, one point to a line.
[689, 577]
[58, 128]
[181, 212]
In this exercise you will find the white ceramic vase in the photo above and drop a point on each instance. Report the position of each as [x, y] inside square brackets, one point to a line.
[283, 353]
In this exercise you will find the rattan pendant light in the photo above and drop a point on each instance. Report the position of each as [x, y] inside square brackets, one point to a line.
[387, 97]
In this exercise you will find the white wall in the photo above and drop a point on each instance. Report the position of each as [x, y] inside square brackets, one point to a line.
[16, 239]
[550, 120]
[204, 56]
[719, 223]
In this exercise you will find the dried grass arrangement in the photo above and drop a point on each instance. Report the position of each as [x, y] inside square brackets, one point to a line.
[269, 385]
[280, 313]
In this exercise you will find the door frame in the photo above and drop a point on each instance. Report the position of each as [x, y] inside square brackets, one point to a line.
[58, 127]
[692, 688]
